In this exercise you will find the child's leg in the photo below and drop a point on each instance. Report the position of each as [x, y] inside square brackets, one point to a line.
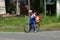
[30, 27]
[34, 25]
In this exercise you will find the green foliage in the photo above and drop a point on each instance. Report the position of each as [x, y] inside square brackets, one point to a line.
[15, 24]
[49, 20]
[14, 21]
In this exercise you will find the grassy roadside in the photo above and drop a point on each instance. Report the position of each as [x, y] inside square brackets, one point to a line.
[15, 24]
[50, 23]
[50, 27]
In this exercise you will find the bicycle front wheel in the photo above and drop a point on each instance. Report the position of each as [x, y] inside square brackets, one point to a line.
[26, 28]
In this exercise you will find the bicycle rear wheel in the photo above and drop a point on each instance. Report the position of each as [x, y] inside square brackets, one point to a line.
[26, 28]
[38, 27]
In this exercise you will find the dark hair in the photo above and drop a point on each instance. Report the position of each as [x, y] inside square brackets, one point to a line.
[37, 14]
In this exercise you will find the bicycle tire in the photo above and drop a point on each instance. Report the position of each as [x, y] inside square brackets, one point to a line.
[38, 27]
[26, 28]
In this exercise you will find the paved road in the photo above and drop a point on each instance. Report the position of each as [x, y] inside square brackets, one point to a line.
[55, 35]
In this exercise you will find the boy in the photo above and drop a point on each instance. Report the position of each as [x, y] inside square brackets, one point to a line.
[32, 20]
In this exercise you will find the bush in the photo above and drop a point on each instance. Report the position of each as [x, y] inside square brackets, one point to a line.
[49, 19]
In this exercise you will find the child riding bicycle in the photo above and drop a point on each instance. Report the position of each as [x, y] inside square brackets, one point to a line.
[32, 17]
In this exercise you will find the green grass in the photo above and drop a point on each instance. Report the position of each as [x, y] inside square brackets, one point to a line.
[50, 22]
[12, 24]
[14, 21]
[15, 24]
[49, 27]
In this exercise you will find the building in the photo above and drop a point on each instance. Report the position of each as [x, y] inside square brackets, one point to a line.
[2, 7]
[51, 7]
[35, 5]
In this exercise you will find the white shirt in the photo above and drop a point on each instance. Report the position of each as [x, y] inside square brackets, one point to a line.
[32, 16]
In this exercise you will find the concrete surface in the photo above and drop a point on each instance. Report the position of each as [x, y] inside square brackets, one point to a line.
[51, 35]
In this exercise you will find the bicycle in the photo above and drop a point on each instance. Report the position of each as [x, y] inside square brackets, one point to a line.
[26, 26]
[38, 27]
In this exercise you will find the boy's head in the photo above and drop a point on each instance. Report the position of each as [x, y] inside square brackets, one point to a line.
[35, 12]
[30, 11]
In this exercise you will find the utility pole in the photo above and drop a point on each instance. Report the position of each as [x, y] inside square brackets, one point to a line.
[44, 7]
[18, 9]
[28, 4]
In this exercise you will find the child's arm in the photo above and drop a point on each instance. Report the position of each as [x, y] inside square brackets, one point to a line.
[34, 15]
